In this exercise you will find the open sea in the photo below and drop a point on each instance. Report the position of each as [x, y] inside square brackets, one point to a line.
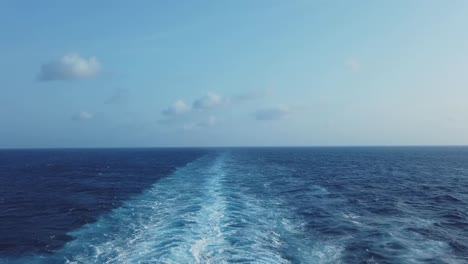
[235, 205]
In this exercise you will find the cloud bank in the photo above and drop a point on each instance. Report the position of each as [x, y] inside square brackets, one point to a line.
[70, 67]
[188, 115]
[207, 102]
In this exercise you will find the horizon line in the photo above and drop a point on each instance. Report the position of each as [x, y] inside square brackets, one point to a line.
[246, 146]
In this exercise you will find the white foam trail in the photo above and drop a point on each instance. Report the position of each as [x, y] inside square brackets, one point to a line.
[200, 214]
[151, 228]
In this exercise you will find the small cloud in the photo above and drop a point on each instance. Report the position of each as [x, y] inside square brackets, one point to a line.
[70, 67]
[83, 115]
[179, 107]
[273, 113]
[353, 64]
[208, 101]
[119, 97]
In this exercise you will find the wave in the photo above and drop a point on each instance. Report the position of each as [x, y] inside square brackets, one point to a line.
[200, 214]
[227, 207]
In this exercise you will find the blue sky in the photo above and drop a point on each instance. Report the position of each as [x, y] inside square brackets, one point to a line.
[233, 73]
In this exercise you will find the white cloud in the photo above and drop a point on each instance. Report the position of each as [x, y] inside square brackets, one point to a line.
[208, 101]
[70, 67]
[180, 113]
[177, 108]
[273, 113]
[353, 64]
[83, 115]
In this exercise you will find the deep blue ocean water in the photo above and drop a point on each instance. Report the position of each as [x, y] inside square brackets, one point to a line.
[238, 205]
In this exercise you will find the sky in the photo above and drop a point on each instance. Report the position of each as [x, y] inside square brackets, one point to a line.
[233, 73]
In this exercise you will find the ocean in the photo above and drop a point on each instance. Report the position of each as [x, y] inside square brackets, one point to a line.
[235, 205]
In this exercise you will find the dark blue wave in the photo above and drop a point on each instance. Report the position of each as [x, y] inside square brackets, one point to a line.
[44, 194]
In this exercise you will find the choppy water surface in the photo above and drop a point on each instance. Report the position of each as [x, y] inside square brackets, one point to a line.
[270, 205]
